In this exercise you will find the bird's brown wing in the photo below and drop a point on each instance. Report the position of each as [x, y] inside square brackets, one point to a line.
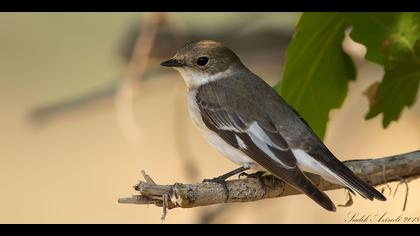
[243, 124]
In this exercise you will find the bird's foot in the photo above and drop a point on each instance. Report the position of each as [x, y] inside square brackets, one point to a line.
[221, 181]
[257, 175]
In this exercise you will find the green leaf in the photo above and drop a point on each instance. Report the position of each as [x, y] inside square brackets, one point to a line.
[317, 71]
[392, 40]
[372, 30]
[398, 88]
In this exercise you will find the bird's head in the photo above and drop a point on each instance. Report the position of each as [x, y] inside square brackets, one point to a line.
[200, 62]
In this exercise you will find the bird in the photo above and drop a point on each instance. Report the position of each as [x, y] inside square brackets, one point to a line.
[247, 121]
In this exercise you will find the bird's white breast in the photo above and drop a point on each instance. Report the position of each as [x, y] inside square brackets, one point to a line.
[214, 139]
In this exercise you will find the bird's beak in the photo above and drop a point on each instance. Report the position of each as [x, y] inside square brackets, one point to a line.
[173, 63]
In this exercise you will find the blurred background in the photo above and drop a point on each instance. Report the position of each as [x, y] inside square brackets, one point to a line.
[84, 110]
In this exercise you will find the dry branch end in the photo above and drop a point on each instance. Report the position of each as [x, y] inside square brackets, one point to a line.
[374, 171]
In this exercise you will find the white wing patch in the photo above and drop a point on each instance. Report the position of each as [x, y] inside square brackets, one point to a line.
[263, 141]
[258, 132]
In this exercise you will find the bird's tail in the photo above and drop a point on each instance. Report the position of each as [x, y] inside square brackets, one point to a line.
[354, 183]
[303, 184]
[307, 187]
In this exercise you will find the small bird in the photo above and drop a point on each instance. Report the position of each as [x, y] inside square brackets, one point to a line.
[251, 124]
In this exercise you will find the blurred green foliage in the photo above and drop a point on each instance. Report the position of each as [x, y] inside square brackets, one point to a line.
[317, 71]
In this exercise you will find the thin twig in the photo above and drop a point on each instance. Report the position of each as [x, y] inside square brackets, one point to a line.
[406, 194]
[349, 199]
[148, 179]
[165, 207]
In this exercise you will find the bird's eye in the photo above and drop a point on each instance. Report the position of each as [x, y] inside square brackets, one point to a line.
[202, 61]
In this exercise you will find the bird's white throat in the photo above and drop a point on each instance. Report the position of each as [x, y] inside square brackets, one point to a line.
[195, 79]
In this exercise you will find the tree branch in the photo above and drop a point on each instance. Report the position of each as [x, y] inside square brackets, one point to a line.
[374, 171]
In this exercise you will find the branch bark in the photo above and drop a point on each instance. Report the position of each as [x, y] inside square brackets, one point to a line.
[374, 171]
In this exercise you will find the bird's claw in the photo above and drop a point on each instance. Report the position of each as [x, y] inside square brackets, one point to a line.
[256, 175]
